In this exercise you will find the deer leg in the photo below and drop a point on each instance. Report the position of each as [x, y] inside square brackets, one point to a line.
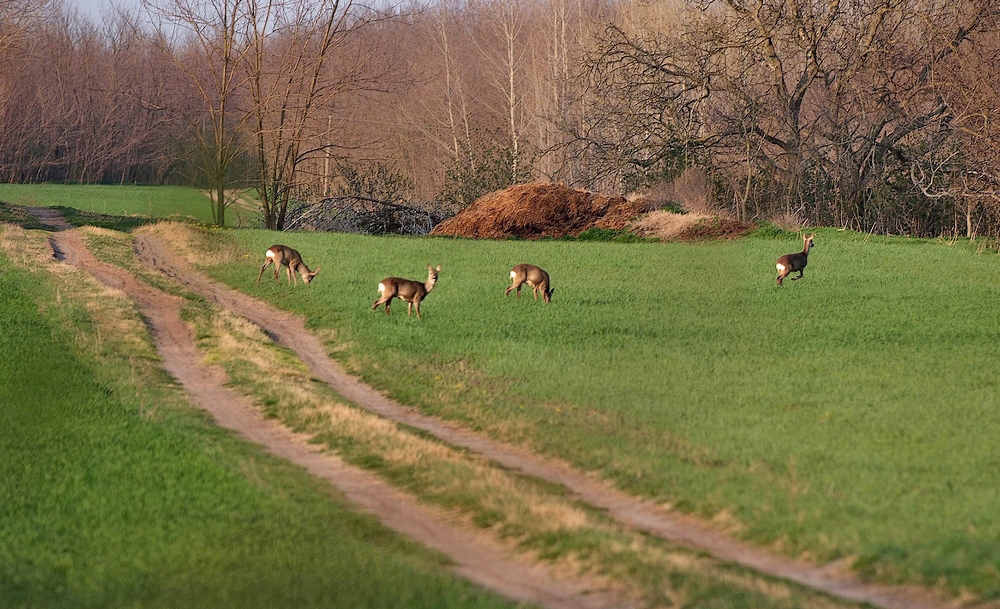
[509, 288]
[799, 277]
[261, 274]
[417, 303]
[409, 308]
[383, 300]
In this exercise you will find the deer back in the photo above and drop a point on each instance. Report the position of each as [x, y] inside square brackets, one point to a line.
[798, 260]
[282, 254]
[536, 276]
[794, 262]
[406, 289]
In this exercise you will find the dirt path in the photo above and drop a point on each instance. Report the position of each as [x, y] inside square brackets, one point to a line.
[48, 216]
[476, 557]
[290, 331]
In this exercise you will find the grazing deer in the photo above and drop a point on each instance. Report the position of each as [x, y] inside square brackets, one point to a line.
[410, 291]
[789, 263]
[534, 277]
[283, 255]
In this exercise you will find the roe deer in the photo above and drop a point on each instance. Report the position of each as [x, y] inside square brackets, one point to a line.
[534, 277]
[789, 263]
[410, 291]
[283, 255]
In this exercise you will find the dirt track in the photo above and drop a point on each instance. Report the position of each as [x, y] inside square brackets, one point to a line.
[477, 558]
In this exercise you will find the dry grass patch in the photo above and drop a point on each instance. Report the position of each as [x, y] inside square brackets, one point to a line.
[105, 324]
[664, 225]
[117, 327]
[197, 250]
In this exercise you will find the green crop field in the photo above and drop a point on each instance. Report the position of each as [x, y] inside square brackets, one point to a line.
[852, 414]
[114, 200]
[113, 493]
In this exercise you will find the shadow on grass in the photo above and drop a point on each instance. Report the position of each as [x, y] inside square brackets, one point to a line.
[19, 215]
[15, 214]
[124, 224]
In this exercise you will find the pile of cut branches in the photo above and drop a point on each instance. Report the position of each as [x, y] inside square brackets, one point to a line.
[366, 215]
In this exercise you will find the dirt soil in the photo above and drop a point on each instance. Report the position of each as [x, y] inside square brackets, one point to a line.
[476, 557]
[537, 210]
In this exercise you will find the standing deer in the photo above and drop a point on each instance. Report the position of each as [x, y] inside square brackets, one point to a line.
[534, 277]
[410, 291]
[789, 263]
[283, 255]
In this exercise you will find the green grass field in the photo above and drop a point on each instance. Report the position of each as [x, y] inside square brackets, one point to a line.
[113, 200]
[116, 494]
[852, 414]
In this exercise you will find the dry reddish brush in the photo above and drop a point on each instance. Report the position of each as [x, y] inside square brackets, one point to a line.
[716, 228]
[540, 209]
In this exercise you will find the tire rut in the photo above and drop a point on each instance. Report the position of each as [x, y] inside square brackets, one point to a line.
[476, 557]
[290, 331]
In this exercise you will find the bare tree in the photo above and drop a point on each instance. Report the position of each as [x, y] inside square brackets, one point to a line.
[211, 49]
[289, 81]
[817, 102]
[960, 161]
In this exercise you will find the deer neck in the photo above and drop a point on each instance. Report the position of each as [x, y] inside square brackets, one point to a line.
[429, 284]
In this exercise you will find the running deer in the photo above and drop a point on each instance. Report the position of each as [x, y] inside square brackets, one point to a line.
[789, 263]
[534, 277]
[279, 255]
[410, 291]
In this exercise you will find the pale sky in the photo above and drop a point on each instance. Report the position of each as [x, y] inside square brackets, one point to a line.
[95, 8]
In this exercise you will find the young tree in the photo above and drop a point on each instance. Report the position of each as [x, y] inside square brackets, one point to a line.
[291, 42]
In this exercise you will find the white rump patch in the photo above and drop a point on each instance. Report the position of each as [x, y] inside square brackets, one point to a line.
[381, 288]
[781, 267]
[270, 254]
[513, 274]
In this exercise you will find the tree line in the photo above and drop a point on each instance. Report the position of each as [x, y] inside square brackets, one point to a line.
[875, 115]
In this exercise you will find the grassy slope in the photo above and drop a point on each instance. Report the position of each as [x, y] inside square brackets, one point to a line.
[850, 414]
[113, 200]
[115, 494]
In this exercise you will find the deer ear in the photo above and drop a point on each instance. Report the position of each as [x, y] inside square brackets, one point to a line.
[439, 268]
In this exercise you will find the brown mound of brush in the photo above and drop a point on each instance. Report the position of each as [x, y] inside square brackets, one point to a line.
[537, 210]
